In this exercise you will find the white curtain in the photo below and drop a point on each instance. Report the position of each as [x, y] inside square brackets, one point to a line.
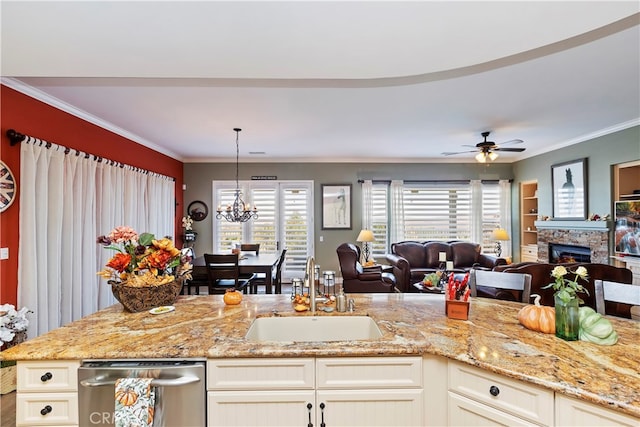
[367, 205]
[505, 214]
[476, 210]
[396, 233]
[66, 202]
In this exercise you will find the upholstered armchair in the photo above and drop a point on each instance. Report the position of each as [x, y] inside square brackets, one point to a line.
[357, 279]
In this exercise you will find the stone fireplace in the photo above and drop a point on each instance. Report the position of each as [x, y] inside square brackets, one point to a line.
[593, 235]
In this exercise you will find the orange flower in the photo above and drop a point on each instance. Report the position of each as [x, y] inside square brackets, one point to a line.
[119, 262]
[159, 259]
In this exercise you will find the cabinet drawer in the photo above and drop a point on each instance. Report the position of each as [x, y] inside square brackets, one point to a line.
[369, 372]
[570, 411]
[39, 376]
[527, 401]
[58, 409]
[260, 374]
[465, 412]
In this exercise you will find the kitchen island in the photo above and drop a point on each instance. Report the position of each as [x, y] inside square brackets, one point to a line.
[492, 340]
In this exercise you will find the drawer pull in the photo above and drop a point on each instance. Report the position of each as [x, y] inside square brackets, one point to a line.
[46, 377]
[309, 406]
[494, 391]
[46, 410]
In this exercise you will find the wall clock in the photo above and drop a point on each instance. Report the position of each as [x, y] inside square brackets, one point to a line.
[7, 187]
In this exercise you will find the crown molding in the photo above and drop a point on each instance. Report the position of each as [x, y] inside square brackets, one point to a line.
[83, 115]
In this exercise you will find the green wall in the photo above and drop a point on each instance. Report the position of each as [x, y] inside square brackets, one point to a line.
[198, 179]
[601, 154]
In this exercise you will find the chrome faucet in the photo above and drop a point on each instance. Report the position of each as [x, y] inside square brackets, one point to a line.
[309, 277]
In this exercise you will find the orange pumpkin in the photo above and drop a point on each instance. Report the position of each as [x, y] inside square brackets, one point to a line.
[232, 297]
[126, 397]
[538, 317]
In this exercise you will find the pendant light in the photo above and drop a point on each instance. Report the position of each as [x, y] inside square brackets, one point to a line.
[239, 211]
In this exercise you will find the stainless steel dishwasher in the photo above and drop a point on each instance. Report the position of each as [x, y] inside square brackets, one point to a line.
[180, 390]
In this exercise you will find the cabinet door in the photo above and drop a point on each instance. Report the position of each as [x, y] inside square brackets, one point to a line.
[269, 408]
[467, 412]
[391, 407]
[573, 412]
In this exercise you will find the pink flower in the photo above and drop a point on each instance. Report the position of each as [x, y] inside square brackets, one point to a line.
[123, 234]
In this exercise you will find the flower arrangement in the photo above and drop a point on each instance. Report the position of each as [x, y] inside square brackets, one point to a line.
[187, 223]
[141, 260]
[567, 289]
[12, 322]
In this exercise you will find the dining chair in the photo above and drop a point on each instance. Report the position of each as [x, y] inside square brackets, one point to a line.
[223, 273]
[276, 276]
[499, 285]
[250, 247]
[616, 298]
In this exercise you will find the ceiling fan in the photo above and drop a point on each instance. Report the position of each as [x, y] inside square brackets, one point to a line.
[487, 149]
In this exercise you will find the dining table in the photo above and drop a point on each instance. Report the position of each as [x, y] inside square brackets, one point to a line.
[247, 263]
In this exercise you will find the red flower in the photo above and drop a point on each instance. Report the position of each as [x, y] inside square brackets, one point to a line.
[119, 262]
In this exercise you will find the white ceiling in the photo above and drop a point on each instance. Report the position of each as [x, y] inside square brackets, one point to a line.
[332, 81]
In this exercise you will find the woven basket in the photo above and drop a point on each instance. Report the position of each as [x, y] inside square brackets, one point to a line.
[136, 299]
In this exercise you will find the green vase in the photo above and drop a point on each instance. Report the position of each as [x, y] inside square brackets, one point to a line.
[567, 319]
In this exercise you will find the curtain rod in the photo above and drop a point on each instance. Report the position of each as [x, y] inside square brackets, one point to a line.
[427, 181]
[16, 137]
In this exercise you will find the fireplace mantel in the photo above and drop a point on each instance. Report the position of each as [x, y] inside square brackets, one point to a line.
[573, 225]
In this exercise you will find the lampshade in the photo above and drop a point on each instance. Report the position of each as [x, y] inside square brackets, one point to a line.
[483, 156]
[365, 236]
[500, 234]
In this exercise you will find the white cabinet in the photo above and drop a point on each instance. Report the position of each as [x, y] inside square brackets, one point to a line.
[47, 393]
[372, 391]
[574, 412]
[479, 397]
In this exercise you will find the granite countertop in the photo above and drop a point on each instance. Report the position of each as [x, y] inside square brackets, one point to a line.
[412, 324]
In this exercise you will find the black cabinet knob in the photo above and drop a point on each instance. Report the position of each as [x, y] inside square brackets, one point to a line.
[46, 377]
[494, 390]
[46, 410]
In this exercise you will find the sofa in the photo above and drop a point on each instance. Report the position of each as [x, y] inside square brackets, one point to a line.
[541, 277]
[411, 260]
[359, 279]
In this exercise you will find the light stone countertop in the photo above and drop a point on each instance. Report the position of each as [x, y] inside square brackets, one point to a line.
[412, 324]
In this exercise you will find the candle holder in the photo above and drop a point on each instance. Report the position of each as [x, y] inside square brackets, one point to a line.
[329, 285]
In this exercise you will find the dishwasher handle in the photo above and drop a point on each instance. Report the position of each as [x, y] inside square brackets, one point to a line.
[157, 382]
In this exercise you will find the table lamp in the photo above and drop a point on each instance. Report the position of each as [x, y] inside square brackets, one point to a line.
[365, 237]
[500, 234]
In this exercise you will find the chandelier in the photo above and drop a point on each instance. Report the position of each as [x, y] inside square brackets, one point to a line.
[239, 211]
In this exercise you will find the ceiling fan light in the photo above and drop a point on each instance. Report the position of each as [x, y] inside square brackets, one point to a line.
[480, 157]
[493, 155]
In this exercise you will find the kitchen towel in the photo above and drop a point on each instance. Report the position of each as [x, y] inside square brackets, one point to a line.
[134, 402]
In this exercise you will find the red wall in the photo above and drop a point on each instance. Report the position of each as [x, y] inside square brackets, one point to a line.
[34, 118]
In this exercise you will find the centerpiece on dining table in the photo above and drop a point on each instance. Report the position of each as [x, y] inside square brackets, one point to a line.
[145, 272]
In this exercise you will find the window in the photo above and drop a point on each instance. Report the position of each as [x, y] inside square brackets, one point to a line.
[436, 211]
[284, 220]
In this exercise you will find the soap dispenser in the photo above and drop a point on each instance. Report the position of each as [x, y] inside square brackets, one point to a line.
[341, 301]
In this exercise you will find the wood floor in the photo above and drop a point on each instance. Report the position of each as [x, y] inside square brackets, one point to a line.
[8, 410]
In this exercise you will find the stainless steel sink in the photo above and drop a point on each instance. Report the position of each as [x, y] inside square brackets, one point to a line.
[313, 328]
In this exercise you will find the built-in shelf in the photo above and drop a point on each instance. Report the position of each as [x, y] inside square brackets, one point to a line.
[528, 216]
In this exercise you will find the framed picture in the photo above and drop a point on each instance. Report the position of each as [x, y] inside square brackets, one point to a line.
[569, 183]
[336, 206]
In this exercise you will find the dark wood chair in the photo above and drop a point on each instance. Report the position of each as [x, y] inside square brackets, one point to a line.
[250, 247]
[276, 276]
[223, 273]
